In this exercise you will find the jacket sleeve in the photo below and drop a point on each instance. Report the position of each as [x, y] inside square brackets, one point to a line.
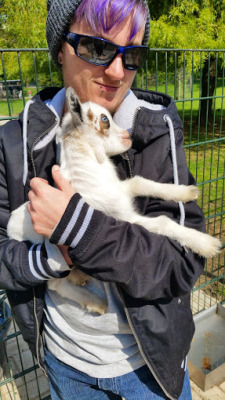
[22, 265]
[144, 264]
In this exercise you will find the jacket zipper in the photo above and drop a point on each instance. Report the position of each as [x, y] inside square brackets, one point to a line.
[140, 347]
[38, 334]
[34, 296]
[126, 156]
[134, 120]
[34, 144]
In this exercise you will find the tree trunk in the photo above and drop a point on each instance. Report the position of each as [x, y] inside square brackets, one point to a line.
[208, 87]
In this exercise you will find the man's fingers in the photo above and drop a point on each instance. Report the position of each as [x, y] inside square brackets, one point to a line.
[29, 207]
[60, 181]
[48, 203]
[36, 184]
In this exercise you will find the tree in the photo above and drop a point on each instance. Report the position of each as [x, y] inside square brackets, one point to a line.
[159, 7]
[24, 27]
[25, 23]
[209, 68]
[193, 24]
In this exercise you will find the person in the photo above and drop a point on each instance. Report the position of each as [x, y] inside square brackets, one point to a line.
[138, 349]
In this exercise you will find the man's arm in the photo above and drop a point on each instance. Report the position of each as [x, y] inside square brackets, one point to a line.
[146, 265]
[23, 265]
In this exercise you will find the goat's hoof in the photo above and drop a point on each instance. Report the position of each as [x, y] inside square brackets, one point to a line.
[97, 308]
[194, 192]
[83, 282]
[214, 247]
[191, 193]
[78, 277]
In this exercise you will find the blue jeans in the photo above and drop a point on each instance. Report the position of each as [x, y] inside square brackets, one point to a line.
[66, 383]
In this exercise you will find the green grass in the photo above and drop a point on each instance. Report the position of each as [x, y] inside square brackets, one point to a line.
[184, 93]
[206, 164]
[13, 107]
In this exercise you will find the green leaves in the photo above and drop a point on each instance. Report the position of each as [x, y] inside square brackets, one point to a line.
[190, 24]
[24, 24]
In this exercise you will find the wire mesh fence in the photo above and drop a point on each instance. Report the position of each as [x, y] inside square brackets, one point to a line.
[195, 80]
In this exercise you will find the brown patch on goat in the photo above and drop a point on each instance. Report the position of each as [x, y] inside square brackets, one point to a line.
[90, 115]
[66, 136]
[104, 126]
[95, 121]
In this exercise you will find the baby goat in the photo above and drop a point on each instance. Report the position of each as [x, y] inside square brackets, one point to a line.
[88, 137]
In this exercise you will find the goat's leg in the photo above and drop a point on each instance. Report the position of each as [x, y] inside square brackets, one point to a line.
[200, 243]
[78, 277]
[139, 186]
[20, 226]
[82, 296]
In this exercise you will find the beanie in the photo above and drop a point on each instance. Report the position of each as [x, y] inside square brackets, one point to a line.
[60, 15]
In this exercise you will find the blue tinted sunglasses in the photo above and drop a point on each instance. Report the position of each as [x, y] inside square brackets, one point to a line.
[101, 52]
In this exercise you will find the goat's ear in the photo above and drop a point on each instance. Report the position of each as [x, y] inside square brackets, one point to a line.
[74, 106]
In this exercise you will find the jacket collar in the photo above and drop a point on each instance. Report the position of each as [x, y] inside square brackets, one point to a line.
[41, 119]
[148, 124]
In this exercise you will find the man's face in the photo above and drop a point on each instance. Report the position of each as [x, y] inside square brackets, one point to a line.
[106, 86]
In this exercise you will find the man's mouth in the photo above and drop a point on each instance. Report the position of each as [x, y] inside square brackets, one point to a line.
[108, 88]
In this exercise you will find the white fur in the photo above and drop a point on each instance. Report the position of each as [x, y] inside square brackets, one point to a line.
[88, 137]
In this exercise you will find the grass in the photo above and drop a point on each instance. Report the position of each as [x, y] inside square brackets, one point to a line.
[13, 107]
[207, 166]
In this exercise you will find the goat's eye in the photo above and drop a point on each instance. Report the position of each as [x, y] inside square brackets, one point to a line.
[105, 121]
[104, 118]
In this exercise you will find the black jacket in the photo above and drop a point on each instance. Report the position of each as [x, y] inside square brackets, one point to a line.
[154, 275]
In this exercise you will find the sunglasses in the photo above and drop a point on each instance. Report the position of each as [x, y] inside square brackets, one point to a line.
[101, 52]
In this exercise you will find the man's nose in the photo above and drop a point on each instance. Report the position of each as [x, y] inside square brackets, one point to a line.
[115, 70]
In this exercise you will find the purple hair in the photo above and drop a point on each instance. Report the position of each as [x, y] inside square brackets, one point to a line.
[103, 15]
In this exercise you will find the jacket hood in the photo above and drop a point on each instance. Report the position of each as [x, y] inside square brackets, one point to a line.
[39, 111]
[148, 124]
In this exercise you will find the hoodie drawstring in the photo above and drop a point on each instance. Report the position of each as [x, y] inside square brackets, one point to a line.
[168, 120]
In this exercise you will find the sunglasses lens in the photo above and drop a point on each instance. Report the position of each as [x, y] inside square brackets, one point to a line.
[135, 57]
[95, 51]
[102, 52]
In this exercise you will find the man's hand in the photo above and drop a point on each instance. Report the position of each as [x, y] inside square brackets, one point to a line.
[47, 204]
[64, 251]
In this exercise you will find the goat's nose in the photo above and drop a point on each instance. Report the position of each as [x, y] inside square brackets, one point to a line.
[125, 135]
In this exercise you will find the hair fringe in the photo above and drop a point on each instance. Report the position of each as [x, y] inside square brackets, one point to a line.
[103, 15]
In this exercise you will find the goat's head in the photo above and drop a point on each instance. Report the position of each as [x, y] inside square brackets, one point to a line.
[94, 125]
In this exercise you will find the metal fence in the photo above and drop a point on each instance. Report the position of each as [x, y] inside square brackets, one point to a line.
[195, 79]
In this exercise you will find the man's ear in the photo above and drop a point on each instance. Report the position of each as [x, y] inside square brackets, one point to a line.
[74, 106]
[60, 57]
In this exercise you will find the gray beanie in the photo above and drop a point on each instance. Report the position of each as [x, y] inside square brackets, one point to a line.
[60, 15]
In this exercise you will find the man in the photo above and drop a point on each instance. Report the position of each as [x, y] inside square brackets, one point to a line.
[138, 349]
